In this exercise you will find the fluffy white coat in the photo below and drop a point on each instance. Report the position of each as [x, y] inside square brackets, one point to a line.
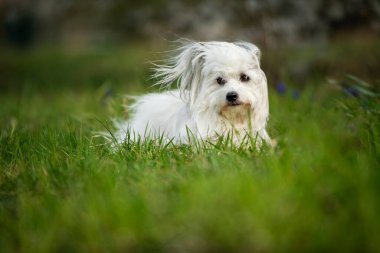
[206, 74]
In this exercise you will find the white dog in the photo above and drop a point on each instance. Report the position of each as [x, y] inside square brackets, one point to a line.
[221, 90]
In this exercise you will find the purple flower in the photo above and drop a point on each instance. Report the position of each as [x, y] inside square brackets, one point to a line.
[295, 94]
[106, 95]
[350, 90]
[280, 87]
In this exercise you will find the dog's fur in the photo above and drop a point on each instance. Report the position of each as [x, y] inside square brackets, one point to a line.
[205, 72]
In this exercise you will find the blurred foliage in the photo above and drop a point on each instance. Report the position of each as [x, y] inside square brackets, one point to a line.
[124, 66]
[57, 68]
[268, 23]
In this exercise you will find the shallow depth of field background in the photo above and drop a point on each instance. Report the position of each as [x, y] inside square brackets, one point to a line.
[65, 67]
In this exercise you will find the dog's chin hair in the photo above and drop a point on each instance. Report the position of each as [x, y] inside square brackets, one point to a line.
[192, 109]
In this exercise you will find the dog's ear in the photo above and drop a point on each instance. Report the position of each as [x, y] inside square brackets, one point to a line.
[184, 68]
[251, 48]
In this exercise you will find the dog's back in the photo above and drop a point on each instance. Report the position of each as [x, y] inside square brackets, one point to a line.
[157, 114]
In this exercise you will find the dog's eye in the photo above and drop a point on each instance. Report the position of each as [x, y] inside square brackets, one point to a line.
[244, 78]
[221, 81]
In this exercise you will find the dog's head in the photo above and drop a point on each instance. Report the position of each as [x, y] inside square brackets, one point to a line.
[222, 77]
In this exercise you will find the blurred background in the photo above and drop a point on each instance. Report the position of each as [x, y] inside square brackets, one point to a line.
[64, 68]
[55, 43]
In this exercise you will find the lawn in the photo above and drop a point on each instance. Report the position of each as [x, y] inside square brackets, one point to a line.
[62, 190]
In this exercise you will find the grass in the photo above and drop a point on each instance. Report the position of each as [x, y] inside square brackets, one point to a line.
[62, 191]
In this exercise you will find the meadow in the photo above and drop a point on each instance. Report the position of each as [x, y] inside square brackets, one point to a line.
[62, 190]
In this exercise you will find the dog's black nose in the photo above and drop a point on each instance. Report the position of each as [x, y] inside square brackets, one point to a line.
[232, 96]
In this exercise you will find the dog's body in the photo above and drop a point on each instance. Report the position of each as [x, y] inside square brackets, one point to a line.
[221, 90]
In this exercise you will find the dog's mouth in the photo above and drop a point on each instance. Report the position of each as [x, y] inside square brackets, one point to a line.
[235, 107]
[236, 112]
[234, 103]
[238, 103]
